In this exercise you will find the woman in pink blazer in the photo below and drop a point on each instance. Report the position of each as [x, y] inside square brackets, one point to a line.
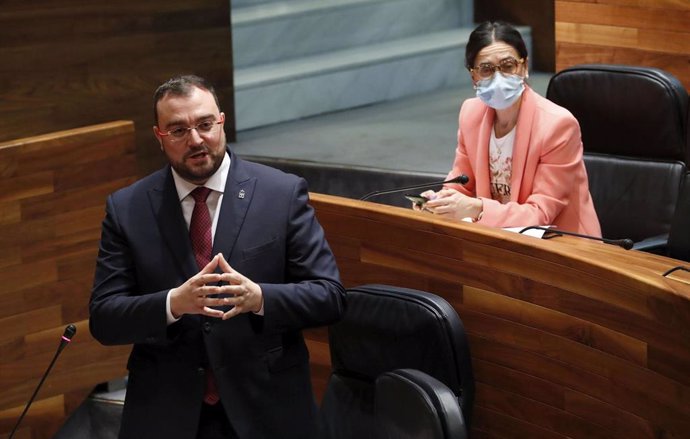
[521, 152]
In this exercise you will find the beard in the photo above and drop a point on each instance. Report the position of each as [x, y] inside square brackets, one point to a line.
[196, 169]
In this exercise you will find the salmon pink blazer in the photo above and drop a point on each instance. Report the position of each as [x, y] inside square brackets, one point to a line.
[549, 181]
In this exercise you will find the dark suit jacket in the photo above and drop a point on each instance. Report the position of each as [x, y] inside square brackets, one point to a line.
[261, 363]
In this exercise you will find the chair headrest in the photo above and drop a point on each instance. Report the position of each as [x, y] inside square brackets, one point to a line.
[625, 110]
[387, 328]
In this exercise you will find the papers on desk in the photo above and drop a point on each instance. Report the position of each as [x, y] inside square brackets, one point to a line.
[537, 233]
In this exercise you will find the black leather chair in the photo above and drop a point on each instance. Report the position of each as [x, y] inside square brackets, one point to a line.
[387, 328]
[410, 404]
[634, 123]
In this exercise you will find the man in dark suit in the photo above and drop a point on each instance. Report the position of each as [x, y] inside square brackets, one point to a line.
[216, 333]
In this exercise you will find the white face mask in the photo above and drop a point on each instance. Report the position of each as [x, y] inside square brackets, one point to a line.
[500, 91]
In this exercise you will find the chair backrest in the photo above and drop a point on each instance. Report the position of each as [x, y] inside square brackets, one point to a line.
[634, 123]
[679, 236]
[410, 404]
[387, 328]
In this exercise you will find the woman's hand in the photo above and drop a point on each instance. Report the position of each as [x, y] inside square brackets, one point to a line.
[450, 203]
[429, 195]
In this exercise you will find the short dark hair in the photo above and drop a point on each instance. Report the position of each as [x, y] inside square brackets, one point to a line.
[181, 86]
[488, 33]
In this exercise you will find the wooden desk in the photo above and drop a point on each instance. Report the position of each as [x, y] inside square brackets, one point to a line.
[570, 338]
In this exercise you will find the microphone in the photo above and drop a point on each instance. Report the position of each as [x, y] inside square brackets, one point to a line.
[626, 243]
[70, 330]
[461, 179]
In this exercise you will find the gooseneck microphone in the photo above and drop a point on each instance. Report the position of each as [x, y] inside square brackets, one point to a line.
[70, 330]
[461, 179]
[626, 243]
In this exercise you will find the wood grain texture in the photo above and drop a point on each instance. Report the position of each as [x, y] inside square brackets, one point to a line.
[633, 32]
[570, 338]
[54, 187]
[71, 63]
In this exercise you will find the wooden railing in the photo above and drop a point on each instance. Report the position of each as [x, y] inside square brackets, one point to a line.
[570, 338]
[52, 201]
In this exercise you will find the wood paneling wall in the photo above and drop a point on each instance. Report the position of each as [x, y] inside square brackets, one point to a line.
[52, 201]
[537, 14]
[652, 33]
[72, 63]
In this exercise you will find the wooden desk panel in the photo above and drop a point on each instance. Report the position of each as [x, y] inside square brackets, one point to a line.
[52, 198]
[569, 337]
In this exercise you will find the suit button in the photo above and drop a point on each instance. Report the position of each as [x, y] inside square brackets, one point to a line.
[207, 327]
[201, 371]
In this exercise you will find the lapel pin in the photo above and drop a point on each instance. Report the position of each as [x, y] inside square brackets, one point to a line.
[241, 194]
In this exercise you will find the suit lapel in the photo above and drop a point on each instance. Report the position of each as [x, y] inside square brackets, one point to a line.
[521, 146]
[168, 213]
[483, 137]
[239, 190]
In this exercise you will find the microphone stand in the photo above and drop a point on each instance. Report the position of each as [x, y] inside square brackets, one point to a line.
[461, 179]
[70, 330]
[625, 243]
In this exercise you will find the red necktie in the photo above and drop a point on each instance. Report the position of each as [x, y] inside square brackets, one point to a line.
[200, 227]
[200, 234]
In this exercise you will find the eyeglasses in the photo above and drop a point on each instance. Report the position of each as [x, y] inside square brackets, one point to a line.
[205, 127]
[507, 66]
